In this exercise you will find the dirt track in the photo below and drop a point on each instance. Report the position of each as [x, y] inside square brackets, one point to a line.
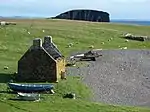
[118, 77]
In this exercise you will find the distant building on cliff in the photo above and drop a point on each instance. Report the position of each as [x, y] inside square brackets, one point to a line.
[86, 15]
[41, 62]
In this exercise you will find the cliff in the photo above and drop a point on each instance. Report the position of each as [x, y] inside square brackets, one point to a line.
[85, 15]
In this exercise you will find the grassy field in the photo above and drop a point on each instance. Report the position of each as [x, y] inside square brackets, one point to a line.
[15, 40]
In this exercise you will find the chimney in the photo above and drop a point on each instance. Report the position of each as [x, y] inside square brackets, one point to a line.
[48, 40]
[37, 43]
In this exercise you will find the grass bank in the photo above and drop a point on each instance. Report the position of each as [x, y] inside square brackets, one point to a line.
[15, 40]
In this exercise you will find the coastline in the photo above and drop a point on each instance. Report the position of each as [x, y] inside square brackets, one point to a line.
[132, 22]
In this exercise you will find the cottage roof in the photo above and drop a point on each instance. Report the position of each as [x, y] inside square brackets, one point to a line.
[51, 48]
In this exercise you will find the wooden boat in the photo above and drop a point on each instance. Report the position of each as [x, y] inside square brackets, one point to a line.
[90, 55]
[29, 96]
[29, 88]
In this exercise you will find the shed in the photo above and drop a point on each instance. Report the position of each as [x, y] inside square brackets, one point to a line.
[3, 23]
[42, 62]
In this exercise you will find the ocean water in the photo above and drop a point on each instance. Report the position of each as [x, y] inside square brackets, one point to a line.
[131, 22]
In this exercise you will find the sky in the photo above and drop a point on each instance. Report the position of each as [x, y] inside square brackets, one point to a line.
[118, 9]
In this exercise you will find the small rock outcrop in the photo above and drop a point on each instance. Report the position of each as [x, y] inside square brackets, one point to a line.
[136, 37]
[85, 15]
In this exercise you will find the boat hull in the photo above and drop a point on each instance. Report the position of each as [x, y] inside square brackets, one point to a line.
[29, 96]
[29, 88]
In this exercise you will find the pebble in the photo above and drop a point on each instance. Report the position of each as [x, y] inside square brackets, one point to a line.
[125, 48]
[102, 43]
[126, 40]
[91, 46]
[29, 33]
[74, 65]
[6, 67]
[68, 46]
[15, 73]
[4, 98]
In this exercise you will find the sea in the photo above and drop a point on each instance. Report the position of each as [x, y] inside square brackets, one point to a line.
[132, 22]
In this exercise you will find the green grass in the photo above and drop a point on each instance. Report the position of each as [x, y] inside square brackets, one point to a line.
[14, 41]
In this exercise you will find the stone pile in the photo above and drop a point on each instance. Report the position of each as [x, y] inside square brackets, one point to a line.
[136, 37]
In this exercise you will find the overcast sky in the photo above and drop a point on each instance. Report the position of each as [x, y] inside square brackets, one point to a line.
[118, 9]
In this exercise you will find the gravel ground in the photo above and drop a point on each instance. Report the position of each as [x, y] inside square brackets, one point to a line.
[118, 77]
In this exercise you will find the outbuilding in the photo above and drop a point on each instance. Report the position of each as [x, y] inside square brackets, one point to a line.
[42, 62]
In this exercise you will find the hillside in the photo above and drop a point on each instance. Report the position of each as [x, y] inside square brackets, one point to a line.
[85, 15]
[15, 40]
